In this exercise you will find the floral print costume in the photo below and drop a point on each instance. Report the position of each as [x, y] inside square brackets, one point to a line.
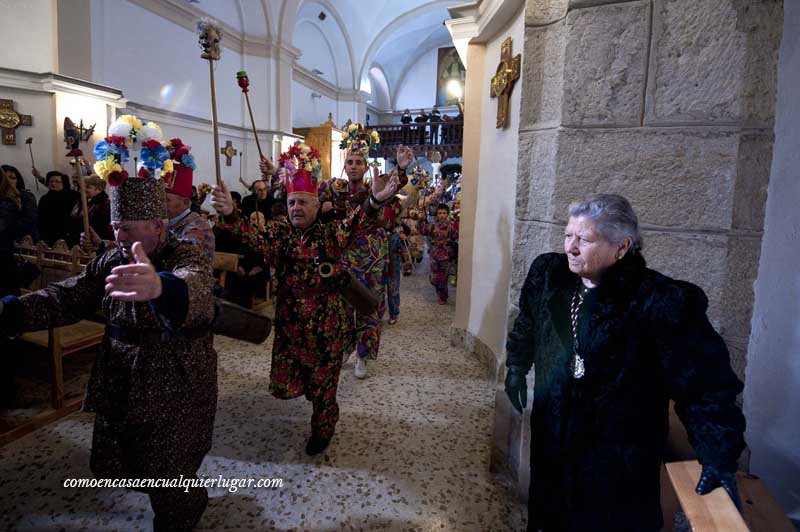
[367, 257]
[312, 327]
[442, 236]
[396, 252]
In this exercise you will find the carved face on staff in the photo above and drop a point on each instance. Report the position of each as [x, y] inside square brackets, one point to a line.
[210, 37]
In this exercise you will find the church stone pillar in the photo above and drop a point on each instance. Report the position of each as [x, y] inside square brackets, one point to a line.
[669, 103]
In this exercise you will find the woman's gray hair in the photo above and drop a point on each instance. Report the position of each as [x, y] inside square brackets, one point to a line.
[612, 215]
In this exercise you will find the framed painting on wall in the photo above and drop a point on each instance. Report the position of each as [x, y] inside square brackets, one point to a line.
[450, 71]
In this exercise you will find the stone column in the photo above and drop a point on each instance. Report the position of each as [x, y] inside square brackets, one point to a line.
[669, 103]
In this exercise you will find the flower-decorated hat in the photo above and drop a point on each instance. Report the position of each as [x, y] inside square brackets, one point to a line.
[419, 177]
[178, 170]
[360, 140]
[133, 198]
[300, 169]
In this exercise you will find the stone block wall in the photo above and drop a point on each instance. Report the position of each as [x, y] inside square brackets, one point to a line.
[670, 103]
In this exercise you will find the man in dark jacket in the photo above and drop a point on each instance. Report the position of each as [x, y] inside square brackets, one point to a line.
[153, 386]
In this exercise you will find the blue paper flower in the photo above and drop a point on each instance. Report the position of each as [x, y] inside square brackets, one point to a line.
[188, 161]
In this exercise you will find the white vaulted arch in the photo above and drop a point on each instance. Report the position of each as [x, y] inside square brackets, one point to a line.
[396, 26]
[381, 92]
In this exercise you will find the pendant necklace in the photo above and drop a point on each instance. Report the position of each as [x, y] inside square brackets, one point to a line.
[576, 365]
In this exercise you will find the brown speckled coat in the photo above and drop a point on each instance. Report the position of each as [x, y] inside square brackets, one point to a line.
[139, 381]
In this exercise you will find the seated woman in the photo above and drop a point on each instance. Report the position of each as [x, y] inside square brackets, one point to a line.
[612, 341]
[99, 209]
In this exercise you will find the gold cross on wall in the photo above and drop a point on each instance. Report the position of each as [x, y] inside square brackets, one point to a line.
[10, 120]
[503, 81]
[228, 151]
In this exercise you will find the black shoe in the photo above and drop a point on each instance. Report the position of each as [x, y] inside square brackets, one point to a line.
[316, 445]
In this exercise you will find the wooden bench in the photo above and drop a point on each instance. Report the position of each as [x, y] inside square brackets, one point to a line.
[224, 263]
[714, 512]
[56, 264]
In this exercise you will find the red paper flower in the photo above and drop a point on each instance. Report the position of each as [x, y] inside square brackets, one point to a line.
[151, 144]
[116, 140]
[115, 179]
[143, 172]
[180, 152]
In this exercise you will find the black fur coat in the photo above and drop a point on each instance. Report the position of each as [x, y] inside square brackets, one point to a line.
[597, 442]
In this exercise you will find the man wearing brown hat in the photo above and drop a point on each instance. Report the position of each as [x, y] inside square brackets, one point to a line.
[154, 382]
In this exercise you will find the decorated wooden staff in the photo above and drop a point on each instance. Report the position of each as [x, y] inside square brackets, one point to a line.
[73, 140]
[210, 36]
[29, 142]
[244, 83]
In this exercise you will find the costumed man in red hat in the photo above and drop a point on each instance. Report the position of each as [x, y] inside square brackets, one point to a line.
[178, 173]
[312, 328]
[368, 254]
[153, 386]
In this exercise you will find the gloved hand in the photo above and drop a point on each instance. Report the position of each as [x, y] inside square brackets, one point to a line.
[517, 388]
[711, 478]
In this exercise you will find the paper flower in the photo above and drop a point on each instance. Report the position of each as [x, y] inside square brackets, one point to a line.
[117, 177]
[120, 129]
[134, 122]
[105, 167]
[153, 155]
[150, 131]
[168, 167]
[204, 188]
[188, 161]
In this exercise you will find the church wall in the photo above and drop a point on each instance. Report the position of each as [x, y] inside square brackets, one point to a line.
[42, 108]
[670, 104]
[494, 210]
[308, 110]
[772, 394]
[160, 70]
[418, 88]
[157, 63]
[30, 46]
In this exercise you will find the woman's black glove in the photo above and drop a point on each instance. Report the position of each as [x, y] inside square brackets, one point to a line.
[517, 388]
[711, 479]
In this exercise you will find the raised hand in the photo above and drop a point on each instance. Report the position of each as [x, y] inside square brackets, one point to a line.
[384, 187]
[266, 167]
[91, 241]
[405, 156]
[134, 282]
[222, 200]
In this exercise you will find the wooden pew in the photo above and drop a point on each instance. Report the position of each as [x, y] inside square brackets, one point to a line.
[716, 512]
[225, 262]
[56, 264]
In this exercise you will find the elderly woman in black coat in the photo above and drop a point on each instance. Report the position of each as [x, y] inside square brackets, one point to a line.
[611, 342]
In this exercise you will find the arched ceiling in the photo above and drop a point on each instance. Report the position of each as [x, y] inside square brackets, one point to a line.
[360, 34]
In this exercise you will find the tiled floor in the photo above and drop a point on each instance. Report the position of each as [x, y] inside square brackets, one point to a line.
[411, 449]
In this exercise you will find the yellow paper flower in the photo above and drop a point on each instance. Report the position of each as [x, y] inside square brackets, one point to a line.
[352, 127]
[168, 167]
[134, 122]
[105, 167]
[376, 137]
[156, 126]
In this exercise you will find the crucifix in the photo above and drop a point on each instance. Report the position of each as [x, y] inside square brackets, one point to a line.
[228, 151]
[10, 120]
[506, 75]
